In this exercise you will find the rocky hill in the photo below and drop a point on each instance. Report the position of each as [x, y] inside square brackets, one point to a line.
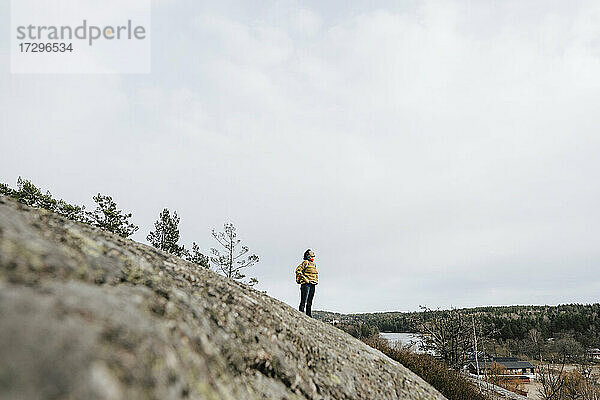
[85, 314]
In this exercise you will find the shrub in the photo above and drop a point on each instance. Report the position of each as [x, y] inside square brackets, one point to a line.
[447, 381]
[106, 215]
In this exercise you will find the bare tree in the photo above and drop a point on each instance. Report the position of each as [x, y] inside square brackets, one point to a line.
[558, 384]
[551, 380]
[233, 259]
[588, 383]
[573, 386]
[447, 334]
[536, 339]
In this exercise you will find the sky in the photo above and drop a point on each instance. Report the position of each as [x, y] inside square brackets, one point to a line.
[437, 153]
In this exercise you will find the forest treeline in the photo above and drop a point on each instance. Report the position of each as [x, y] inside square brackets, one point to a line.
[507, 324]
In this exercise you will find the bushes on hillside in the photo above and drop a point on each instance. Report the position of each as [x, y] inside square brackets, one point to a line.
[30, 195]
[447, 381]
[106, 215]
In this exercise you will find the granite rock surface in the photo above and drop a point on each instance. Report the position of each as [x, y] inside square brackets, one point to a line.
[85, 314]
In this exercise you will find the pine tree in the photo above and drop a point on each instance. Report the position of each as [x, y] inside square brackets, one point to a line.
[28, 194]
[75, 213]
[233, 259]
[7, 190]
[197, 257]
[106, 216]
[166, 234]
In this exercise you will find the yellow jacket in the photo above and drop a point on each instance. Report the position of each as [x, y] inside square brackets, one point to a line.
[307, 272]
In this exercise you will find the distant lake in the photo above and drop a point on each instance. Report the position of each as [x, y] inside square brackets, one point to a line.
[405, 339]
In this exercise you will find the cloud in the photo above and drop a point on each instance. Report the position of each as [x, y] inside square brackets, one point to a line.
[430, 155]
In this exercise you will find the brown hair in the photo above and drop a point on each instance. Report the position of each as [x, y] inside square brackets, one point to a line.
[307, 254]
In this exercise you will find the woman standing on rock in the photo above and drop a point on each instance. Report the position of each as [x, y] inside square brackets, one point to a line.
[308, 278]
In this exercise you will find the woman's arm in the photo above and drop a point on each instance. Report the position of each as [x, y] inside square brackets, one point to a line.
[300, 271]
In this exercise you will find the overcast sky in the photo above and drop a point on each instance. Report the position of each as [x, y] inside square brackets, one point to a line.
[435, 153]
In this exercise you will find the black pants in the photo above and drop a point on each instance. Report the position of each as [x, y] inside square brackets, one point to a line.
[307, 292]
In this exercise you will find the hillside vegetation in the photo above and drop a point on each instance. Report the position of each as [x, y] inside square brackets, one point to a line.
[518, 330]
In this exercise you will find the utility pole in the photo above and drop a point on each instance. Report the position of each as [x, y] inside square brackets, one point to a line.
[476, 356]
